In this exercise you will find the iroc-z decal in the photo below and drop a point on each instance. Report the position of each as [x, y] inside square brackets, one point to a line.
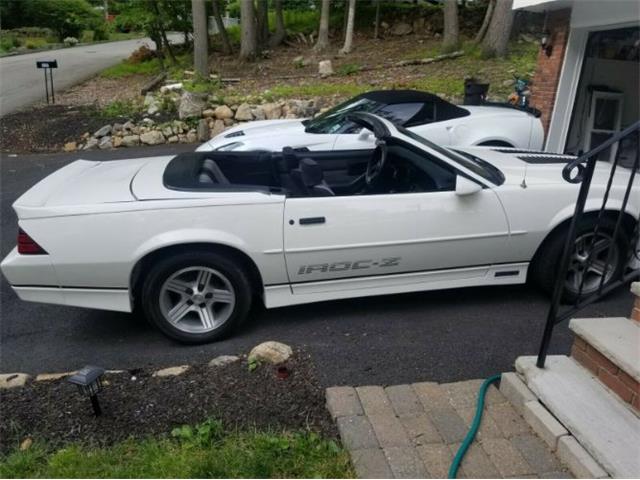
[348, 265]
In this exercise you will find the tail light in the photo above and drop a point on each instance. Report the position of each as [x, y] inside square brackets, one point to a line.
[27, 245]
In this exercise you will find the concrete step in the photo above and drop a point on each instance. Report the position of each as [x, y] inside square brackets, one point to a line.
[616, 338]
[602, 424]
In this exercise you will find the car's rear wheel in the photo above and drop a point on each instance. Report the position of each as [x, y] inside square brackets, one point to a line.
[595, 259]
[196, 297]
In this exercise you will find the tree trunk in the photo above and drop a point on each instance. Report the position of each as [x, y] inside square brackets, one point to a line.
[164, 44]
[450, 39]
[376, 28]
[248, 38]
[200, 38]
[485, 23]
[348, 36]
[323, 30]
[496, 41]
[262, 21]
[222, 31]
[280, 33]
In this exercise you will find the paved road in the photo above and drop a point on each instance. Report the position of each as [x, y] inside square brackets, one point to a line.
[440, 336]
[21, 84]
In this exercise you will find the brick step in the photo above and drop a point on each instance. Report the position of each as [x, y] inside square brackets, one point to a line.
[598, 420]
[610, 349]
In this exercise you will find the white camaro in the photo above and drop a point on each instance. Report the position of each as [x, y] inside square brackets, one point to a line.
[196, 238]
[423, 113]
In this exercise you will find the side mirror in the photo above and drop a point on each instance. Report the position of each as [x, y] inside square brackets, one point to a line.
[364, 134]
[464, 186]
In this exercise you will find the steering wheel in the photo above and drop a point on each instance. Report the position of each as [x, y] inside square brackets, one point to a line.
[376, 164]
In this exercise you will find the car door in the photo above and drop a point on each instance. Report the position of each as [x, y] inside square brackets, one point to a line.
[328, 239]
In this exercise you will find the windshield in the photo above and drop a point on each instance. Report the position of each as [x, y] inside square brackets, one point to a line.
[470, 162]
[334, 120]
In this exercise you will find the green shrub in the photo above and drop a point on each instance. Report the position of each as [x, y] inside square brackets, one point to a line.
[348, 69]
[120, 108]
[126, 68]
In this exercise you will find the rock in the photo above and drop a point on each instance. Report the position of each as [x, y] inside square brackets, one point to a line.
[128, 125]
[153, 109]
[191, 105]
[325, 68]
[192, 136]
[507, 83]
[91, 143]
[401, 28]
[104, 143]
[106, 130]
[437, 35]
[202, 132]
[167, 131]
[300, 62]
[172, 87]
[154, 137]
[209, 112]
[243, 114]
[131, 140]
[11, 380]
[172, 139]
[70, 147]
[26, 444]
[272, 111]
[223, 360]
[218, 127]
[271, 352]
[149, 98]
[117, 127]
[258, 113]
[171, 371]
[117, 141]
[229, 121]
[223, 112]
[47, 377]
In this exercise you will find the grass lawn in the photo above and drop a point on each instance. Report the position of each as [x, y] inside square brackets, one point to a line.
[204, 451]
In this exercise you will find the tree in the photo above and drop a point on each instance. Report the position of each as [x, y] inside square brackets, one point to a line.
[450, 39]
[485, 23]
[248, 37]
[323, 31]
[222, 31]
[376, 25]
[262, 21]
[280, 33]
[200, 38]
[348, 36]
[497, 38]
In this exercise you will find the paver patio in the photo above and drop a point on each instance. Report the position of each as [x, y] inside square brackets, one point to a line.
[414, 431]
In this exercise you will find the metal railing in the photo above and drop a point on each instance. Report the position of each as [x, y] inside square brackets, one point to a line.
[624, 147]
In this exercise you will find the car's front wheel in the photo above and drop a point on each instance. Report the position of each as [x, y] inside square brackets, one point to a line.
[196, 297]
[594, 260]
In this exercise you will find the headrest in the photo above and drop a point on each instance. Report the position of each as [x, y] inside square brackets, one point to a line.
[289, 157]
[311, 172]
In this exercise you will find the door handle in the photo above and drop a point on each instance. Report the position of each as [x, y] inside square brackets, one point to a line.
[311, 220]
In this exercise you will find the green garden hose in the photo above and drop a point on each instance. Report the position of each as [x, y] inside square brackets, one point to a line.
[471, 434]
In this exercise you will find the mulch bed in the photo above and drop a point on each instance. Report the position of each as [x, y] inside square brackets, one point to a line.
[47, 128]
[54, 411]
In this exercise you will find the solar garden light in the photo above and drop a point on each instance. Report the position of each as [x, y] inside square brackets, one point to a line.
[89, 382]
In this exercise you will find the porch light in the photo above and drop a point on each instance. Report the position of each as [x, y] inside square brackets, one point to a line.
[89, 383]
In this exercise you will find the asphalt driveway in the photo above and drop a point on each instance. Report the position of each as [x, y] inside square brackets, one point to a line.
[21, 84]
[440, 336]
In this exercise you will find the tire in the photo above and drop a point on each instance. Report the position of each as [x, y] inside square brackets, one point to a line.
[207, 294]
[547, 260]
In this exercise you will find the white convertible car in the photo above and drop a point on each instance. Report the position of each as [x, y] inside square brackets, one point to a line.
[194, 239]
[429, 116]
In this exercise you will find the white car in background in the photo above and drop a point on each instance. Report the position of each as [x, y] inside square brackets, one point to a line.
[194, 239]
[490, 124]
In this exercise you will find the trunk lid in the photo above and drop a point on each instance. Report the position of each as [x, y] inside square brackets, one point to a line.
[82, 182]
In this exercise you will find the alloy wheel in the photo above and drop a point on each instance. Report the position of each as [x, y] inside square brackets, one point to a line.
[588, 265]
[197, 299]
